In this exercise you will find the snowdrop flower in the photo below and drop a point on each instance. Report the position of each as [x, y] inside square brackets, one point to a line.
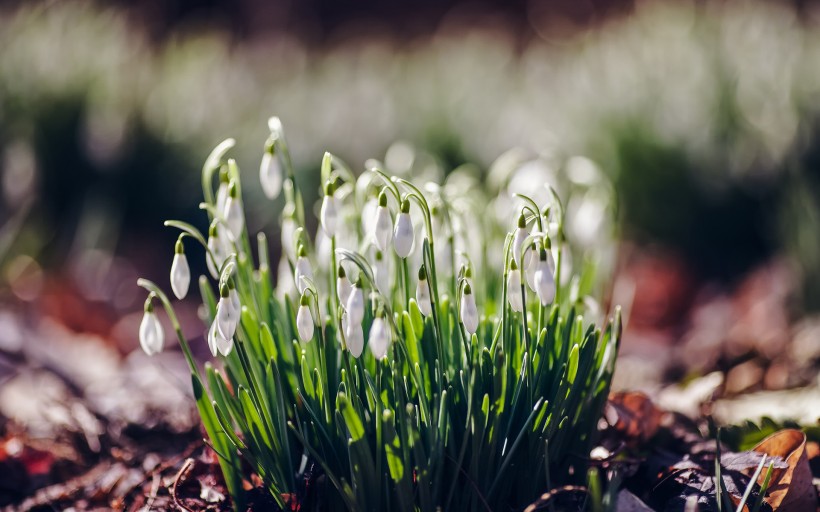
[383, 227]
[521, 233]
[381, 274]
[218, 343]
[329, 214]
[343, 287]
[355, 305]
[469, 312]
[368, 215]
[180, 272]
[270, 172]
[354, 335]
[302, 269]
[222, 191]
[226, 317]
[152, 337]
[379, 339]
[403, 235]
[234, 217]
[217, 249]
[423, 293]
[514, 296]
[544, 279]
[304, 320]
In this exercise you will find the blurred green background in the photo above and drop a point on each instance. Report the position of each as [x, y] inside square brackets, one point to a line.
[704, 115]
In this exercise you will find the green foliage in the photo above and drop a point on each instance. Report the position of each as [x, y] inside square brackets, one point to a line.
[447, 418]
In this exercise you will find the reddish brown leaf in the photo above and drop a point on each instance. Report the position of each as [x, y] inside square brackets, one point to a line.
[791, 488]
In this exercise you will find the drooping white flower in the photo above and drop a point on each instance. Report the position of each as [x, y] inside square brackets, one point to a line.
[217, 342]
[521, 234]
[514, 288]
[355, 305]
[469, 311]
[403, 235]
[216, 249]
[180, 272]
[343, 287]
[234, 217]
[302, 269]
[304, 320]
[381, 274]
[379, 338]
[152, 337]
[354, 335]
[423, 293]
[544, 278]
[226, 317]
[329, 214]
[383, 227]
[270, 173]
[531, 265]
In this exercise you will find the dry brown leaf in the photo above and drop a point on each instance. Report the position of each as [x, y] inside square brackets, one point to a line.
[791, 488]
[634, 415]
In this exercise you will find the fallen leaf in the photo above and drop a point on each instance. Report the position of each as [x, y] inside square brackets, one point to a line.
[634, 415]
[791, 488]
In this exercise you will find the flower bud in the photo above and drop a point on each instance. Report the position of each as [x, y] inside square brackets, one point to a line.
[329, 214]
[270, 173]
[469, 312]
[152, 337]
[521, 233]
[180, 272]
[355, 305]
[234, 217]
[423, 293]
[514, 296]
[343, 287]
[302, 269]
[304, 320]
[383, 227]
[379, 339]
[544, 279]
[403, 236]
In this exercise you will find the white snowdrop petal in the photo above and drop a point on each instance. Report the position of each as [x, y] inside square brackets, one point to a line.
[152, 337]
[383, 228]
[355, 306]
[270, 175]
[235, 304]
[403, 235]
[213, 333]
[354, 335]
[304, 324]
[302, 269]
[423, 298]
[329, 216]
[221, 197]
[514, 291]
[343, 289]
[379, 339]
[234, 217]
[180, 275]
[469, 313]
[518, 242]
[224, 346]
[226, 318]
[544, 283]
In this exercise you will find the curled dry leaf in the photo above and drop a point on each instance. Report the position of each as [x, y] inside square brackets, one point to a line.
[634, 415]
[791, 487]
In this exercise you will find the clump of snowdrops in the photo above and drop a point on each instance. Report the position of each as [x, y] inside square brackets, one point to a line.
[410, 357]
